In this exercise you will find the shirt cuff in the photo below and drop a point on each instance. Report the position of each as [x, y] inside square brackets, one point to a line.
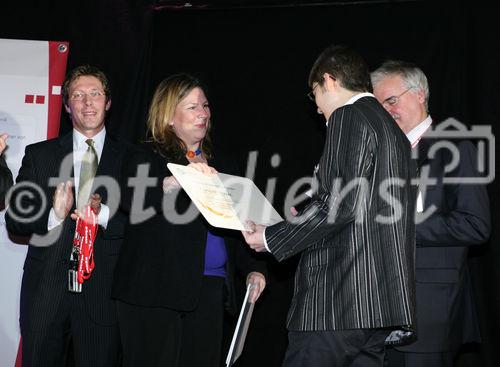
[264, 239]
[103, 217]
[53, 221]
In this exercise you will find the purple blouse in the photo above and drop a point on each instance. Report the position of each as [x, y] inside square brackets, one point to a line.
[215, 256]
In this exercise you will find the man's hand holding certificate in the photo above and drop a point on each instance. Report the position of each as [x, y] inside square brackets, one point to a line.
[225, 201]
[255, 236]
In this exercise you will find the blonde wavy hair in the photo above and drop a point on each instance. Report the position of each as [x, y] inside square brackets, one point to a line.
[167, 96]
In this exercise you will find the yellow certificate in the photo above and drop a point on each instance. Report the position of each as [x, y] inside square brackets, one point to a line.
[226, 201]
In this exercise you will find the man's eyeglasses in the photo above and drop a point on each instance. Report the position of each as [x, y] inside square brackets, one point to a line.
[311, 95]
[79, 96]
[393, 100]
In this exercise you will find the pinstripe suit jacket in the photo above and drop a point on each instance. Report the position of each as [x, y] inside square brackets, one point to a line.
[357, 235]
[45, 282]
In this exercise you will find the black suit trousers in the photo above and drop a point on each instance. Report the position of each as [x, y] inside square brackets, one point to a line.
[395, 358]
[94, 345]
[355, 348]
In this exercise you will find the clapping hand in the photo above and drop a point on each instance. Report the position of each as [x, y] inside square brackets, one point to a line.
[3, 144]
[62, 200]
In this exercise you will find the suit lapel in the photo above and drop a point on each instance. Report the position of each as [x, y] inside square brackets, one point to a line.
[66, 144]
[109, 151]
[423, 150]
[65, 156]
[106, 165]
[423, 164]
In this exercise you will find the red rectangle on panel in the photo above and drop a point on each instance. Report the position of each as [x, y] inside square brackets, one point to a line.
[29, 98]
[40, 99]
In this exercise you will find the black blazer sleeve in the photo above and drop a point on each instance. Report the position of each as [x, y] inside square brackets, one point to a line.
[5, 180]
[114, 153]
[31, 214]
[461, 214]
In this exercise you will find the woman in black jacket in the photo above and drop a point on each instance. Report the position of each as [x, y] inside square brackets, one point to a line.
[175, 272]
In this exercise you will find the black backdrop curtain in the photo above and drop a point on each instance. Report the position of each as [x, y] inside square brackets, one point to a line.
[255, 62]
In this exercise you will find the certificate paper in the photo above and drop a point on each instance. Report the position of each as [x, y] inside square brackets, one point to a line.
[226, 201]
[240, 333]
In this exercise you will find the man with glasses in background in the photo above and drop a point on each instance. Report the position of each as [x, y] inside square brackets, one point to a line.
[459, 218]
[54, 307]
[355, 281]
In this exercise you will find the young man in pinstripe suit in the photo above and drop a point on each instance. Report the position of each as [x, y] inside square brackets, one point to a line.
[355, 281]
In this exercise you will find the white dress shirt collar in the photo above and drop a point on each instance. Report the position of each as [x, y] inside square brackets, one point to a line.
[416, 133]
[358, 96]
[355, 98]
[79, 144]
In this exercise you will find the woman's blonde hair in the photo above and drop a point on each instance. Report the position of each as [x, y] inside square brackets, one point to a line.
[167, 96]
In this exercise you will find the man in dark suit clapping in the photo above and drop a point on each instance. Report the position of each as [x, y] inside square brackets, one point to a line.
[451, 217]
[57, 182]
[355, 279]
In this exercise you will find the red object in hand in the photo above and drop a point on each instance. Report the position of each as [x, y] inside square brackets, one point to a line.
[86, 231]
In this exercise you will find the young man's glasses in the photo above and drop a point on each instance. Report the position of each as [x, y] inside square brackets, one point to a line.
[393, 100]
[310, 95]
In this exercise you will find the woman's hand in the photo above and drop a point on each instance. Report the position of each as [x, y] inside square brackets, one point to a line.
[170, 184]
[258, 283]
[203, 168]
